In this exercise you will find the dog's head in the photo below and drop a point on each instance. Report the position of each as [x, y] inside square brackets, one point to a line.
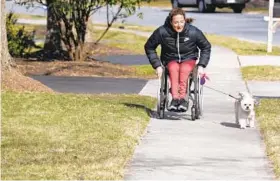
[247, 101]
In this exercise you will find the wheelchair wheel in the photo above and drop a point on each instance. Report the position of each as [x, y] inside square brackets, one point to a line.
[198, 96]
[193, 113]
[162, 98]
[200, 100]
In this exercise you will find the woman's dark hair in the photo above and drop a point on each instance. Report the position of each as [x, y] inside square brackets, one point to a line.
[179, 11]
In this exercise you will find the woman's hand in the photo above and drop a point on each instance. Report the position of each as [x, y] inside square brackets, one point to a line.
[200, 70]
[159, 71]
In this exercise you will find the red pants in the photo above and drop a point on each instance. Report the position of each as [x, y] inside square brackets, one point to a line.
[179, 74]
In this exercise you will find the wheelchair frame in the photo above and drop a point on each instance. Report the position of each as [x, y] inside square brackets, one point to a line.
[194, 93]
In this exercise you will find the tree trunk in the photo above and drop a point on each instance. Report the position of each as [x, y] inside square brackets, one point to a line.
[53, 38]
[6, 59]
[79, 52]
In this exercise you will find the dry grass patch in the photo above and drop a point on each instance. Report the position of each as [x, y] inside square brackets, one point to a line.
[91, 68]
[13, 80]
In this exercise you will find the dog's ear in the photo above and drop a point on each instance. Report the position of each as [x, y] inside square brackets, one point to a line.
[241, 94]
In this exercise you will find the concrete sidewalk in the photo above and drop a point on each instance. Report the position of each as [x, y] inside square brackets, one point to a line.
[211, 148]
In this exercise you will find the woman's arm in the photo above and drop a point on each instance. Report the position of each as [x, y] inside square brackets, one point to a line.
[150, 48]
[205, 48]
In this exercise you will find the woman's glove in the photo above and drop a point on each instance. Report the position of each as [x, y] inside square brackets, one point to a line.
[159, 71]
[202, 74]
[200, 70]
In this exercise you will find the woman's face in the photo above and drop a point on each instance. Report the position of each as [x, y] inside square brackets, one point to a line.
[178, 22]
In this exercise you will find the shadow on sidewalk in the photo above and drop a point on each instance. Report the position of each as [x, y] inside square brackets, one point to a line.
[151, 113]
[228, 124]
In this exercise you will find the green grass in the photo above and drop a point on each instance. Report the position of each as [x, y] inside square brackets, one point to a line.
[269, 120]
[69, 137]
[28, 16]
[145, 71]
[262, 73]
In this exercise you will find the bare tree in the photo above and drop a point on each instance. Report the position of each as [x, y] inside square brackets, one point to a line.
[74, 16]
[53, 38]
[53, 42]
[67, 21]
[6, 59]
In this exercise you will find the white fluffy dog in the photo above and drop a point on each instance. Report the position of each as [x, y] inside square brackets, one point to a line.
[244, 110]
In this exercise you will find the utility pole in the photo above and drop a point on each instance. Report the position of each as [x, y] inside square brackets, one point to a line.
[270, 26]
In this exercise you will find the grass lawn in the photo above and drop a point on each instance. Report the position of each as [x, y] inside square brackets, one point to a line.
[29, 16]
[70, 137]
[269, 120]
[263, 73]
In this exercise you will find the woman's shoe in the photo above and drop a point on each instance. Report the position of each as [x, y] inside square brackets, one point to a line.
[183, 105]
[174, 105]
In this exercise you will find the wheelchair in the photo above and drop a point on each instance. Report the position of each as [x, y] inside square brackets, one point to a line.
[194, 93]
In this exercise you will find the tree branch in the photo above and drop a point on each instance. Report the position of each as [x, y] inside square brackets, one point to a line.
[110, 24]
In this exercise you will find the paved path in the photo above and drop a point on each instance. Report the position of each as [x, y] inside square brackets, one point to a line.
[211, 148]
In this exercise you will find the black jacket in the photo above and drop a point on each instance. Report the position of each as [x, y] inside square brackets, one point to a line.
[190, 39]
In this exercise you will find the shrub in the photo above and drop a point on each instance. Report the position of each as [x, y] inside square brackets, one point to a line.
[20, 41]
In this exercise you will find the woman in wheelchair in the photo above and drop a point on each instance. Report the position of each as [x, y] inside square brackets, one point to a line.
[180, 43]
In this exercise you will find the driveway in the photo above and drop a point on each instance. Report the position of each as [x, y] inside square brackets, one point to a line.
[90, 85]
[99, 84]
